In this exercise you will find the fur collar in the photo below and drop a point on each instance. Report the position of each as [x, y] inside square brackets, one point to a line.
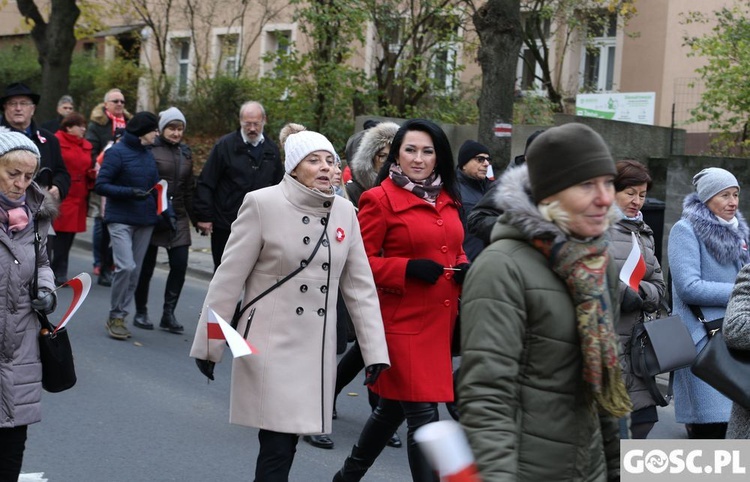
[98, 116]
[42, 203]
[724, 243]
[373, 140]
[513, 197]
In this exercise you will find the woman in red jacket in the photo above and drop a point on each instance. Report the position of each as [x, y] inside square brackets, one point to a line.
[413, 237]
[76, 153]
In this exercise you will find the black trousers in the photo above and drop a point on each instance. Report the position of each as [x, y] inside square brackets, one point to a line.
[178, 261]
[60, 254]
[348, 367]
[276, 456]
[706, 430]
[219, 238]
[12, 445]
[386, 418]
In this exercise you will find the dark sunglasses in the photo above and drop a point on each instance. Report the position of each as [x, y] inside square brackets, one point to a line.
[117, 101]
[482, 158]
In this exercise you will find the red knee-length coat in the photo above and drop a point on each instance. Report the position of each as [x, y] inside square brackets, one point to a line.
[419, 317]
[76, 153]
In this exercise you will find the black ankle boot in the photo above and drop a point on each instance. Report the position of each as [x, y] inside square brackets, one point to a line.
[140, 320]
[355, 466]
[168, 321]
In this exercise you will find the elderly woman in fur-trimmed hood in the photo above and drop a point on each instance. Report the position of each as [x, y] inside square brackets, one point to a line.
[707, 248]
[22, 205]
[369, 157]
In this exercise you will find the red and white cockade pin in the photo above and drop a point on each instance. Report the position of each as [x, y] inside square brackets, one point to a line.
[340, 234]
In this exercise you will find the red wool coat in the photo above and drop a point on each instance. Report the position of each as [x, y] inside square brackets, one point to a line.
[76, 153]
[419, 317]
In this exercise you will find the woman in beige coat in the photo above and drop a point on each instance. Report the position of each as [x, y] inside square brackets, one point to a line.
[293, 327]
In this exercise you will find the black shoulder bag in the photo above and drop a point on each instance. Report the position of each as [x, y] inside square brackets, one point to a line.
[726, 370]
[58, 368]
[239, 311]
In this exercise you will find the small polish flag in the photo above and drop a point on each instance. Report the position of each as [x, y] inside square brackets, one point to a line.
[161, 198]
[81, 285]
[218, 329]
[445, 446]
[635, 267]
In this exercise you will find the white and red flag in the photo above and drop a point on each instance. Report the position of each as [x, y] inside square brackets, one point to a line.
[81, 285]
[218, 329]
[161, 196]
[635, 266]
[445, 446]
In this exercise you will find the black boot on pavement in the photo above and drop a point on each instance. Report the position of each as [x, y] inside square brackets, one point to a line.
[168, 321]
[320, 441]
[140, 320]
[355, 466]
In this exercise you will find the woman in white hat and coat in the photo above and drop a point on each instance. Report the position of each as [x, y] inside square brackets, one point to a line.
[293, 328]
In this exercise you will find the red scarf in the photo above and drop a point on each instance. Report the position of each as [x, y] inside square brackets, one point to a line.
[117, 122]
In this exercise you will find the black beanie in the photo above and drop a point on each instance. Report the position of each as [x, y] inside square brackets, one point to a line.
[142, 123]
[564, 156]
[469, 150]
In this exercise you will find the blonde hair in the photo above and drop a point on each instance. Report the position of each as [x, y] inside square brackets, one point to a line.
[18, 155]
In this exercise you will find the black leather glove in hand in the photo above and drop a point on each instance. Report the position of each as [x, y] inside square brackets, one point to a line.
[206, 367]
[46, 303]
[140, 193]
[372, 372]
[461, 273]
[632, 301]
[426, 270]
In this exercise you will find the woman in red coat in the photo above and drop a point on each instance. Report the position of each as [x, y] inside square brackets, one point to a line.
[413, 237]
[76, 153]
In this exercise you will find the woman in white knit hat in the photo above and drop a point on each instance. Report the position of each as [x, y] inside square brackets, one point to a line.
[22, 205]
[298, 223]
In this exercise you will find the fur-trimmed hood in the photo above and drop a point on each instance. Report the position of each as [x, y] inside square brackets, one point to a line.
[724, 243]
[98, 115]
[513, 197]
[373, 141]
[45, 206]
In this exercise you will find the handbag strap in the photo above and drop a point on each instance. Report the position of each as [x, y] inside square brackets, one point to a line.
[712, 326]
[286, 278]
[650, 383]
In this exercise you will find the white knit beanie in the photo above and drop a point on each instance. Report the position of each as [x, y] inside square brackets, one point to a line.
[170, 115]
[302, 143]
[711, 181]
[15, 141]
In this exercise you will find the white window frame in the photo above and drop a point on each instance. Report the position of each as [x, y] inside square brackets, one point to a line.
[606, 48]
[269, 43]
[176, 62]
[521, 67]
[219, 62]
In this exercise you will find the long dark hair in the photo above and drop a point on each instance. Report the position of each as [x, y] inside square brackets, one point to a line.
[444, 164]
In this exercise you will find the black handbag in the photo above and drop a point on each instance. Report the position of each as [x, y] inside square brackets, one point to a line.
[725, 369]
[660, 345]
[55, 352]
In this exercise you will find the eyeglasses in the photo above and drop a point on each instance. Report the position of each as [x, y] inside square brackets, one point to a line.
[24, 103]
[482, 159]
[117, 101]
[251, 124]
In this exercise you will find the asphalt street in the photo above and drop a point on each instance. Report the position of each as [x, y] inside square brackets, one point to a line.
[142, 412]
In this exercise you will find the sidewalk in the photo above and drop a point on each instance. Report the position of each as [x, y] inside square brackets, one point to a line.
[200, 261]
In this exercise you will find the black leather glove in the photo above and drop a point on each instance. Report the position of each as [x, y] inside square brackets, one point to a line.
[461, 273]
[206, 367]
[140, 193]
[631, 301]
[426, 270]
[46, 302]
[372, 372]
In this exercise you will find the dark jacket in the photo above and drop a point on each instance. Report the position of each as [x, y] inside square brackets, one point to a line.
[231, 172]
[471, 191]
[99, 131]
[20, 367]
[481, 218]
[521, 390]
[175, 165]
[51, 158]
[128, 165]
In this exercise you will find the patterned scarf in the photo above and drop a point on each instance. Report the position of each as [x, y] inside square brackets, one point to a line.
[14, 215]
[117, 122]
[427, 189]
[583, 267]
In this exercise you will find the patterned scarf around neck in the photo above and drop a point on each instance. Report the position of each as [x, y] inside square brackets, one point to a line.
[14, 215]
[428, 189]
[583, 268]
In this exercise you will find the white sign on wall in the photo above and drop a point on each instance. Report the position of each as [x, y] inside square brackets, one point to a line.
[637, 107]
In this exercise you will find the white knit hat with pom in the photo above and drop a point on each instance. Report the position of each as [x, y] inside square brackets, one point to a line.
[298, 145]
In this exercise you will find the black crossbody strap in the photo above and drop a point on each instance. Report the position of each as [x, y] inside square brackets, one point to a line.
[35, 281]
[286, 278]
[711, 326]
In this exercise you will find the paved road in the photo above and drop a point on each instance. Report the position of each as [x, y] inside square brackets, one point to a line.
[141, 411]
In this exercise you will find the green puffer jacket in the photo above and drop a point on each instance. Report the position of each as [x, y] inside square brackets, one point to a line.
[521, 391]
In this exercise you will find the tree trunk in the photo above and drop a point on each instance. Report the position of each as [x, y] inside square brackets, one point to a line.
[54, 41]
[498, 25]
